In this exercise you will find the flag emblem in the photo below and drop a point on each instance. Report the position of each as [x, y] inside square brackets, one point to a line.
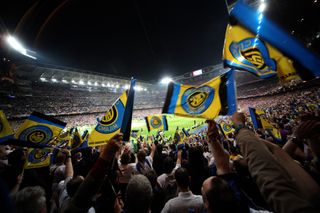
[197, 100]
[110, 117]
[38, 155]
[226, 127]
[37, 134]
[253, 53]
[155, 122]
[110, 122]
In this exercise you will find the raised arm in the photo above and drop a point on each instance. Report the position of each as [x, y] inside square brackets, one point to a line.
[220, 156]
[153, 150]
[81, 201]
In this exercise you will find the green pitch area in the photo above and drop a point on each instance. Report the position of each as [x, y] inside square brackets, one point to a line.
[173, 123]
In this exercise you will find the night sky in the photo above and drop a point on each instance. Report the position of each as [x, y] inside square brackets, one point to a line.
[141, 38]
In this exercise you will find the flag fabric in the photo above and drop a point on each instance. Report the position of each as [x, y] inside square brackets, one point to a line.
[226, 128]
[265, 30]
[213, 98]
[259, 121]
[127, 117]
[243, 50]
[156, 122]
[39, 128]
[76, 141]
[114, 120]
[6, 131]
[37, 158]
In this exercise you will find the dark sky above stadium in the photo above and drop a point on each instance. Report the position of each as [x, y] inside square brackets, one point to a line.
[141, 38]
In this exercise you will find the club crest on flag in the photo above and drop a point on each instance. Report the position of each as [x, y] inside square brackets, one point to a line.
[226, 127]
[36, 134]
[155, 122]
[197, 100]
[38, 155]
[253, 53]
[110, 122]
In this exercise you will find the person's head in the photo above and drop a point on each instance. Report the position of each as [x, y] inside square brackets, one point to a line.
[125, 158]
[141, 155]
[168, 165]
[138, 194]
[219, 197]
[152, 177]
[182, 178]
[78, 156]
[73, 185]
[61, 158]
[31, 199]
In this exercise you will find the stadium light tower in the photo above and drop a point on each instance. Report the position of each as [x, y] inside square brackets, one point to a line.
[166, 80]
[16, 45]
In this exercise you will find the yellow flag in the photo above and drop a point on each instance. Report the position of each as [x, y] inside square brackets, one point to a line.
[156, 122]
[259, 121]
[110, 124]
[208, 100]
[39, 128]
[226, 127]
[6, 131]
[37, 158]
[243, 50]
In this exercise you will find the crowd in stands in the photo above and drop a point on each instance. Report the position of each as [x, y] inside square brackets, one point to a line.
[206, 172]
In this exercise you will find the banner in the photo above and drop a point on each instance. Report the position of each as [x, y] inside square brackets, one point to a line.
[226, 128]
[114, 120]
[156, 122]
[213, 98]
[37, 158]
[259, 121]
[243, 50]
[39, 128]
[265, 30]
[6, 131]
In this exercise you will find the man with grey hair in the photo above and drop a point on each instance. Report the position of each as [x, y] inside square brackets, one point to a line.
[31, 200]
[139, 194]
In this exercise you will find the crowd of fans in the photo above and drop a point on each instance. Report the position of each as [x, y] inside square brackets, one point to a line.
[245, 171]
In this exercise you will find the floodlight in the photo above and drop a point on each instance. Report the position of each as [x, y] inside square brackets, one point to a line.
[166, 80]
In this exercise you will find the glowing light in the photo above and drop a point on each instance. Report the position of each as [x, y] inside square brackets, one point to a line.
[54, 80]
[43, 79]
[262, 7]
[89, 83]
[96, 84]
[73, 81]
[166, 80]
[64, 81]
[16, 45]
[81, 82]
[103, 85]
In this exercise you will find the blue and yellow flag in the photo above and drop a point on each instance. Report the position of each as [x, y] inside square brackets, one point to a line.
[6, 131]
[37, 158]
[226, 128]
[213, 98]
[116, 119]
[244, 51]
[259, 121]
[156, 122]
[253, 51]
[39, 128]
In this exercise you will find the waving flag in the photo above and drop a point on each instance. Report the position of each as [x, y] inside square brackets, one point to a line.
[156, 122]
[208, 100]
[226, 128]
[37, 158]
[6, 131]
[116, 119]
[243, 50]
[259, 121]
[253, 51]
[39, 128]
